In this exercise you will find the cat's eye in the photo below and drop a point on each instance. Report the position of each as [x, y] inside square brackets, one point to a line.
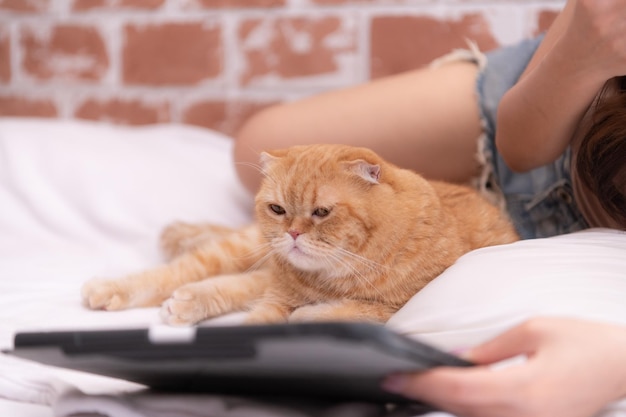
[321, 212]
[277, 209]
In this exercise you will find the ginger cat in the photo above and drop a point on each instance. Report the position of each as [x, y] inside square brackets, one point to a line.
[341, 234]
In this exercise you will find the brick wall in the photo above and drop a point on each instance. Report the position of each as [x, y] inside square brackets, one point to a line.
[215, 62]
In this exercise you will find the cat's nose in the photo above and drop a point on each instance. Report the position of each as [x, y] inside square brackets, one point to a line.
[294, 234]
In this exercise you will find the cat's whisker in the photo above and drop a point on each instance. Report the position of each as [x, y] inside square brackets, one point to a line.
[258, 264]
[260, 249]
[260, 169]
[257, 167]
[358, 274]
[339, 255]
[372, 265]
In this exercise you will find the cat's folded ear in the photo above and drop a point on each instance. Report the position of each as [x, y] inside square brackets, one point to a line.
[365, 170]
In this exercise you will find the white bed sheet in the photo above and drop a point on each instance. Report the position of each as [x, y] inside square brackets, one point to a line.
[80, 200]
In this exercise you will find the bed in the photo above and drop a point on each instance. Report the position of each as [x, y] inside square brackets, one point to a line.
[80, 200]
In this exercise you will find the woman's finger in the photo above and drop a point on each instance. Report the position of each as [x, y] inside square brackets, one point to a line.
[520, 340]
[455, 388]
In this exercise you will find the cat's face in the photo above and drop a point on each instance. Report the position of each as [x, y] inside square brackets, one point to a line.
[312, 209]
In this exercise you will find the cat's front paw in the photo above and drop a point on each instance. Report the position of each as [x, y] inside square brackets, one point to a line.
[185, 307]
[100, 294]
[306, 314]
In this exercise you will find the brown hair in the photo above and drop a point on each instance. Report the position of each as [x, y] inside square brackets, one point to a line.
[601, 161]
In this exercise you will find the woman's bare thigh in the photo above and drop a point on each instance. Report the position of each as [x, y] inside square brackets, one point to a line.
[426, 120]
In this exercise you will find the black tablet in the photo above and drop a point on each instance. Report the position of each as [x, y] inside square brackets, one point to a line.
[339, 361]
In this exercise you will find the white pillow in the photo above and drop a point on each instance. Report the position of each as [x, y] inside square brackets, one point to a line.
[91, 183]
[489, 290]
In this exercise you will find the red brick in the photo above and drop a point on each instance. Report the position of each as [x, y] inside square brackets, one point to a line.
[5, 56]
[171, 54]
[292, 47]
[67, 52]
[130, 112]
[224, 116]
[25, 6]
[340, 2]
[21, 106]
[545, 19]
[222, 4]
[401, 43]
[141, 4]
[83, 5]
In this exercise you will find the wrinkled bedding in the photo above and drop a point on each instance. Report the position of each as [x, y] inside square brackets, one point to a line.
[81, 200]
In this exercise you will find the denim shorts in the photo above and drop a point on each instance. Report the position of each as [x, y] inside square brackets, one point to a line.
[540, 202]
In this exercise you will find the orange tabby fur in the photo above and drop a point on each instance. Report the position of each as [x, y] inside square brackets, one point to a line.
[341, 234]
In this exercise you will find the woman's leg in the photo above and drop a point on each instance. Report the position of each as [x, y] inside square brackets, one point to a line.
[426, 120]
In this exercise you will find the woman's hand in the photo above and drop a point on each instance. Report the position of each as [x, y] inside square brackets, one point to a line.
[574, 368]
[595, 37]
